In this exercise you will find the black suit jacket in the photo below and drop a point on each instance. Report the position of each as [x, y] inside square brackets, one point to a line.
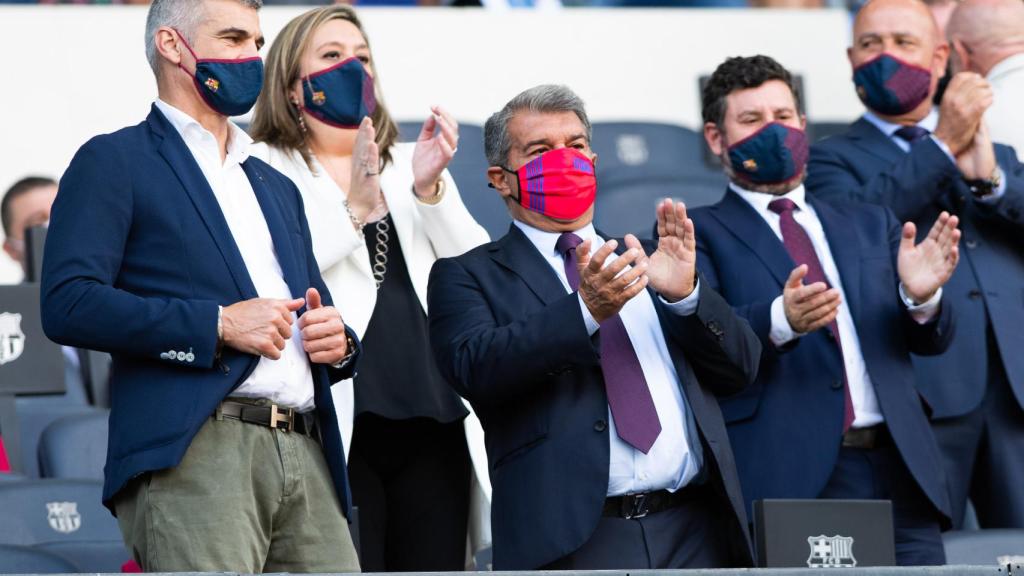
[987, 289]
[510, 339]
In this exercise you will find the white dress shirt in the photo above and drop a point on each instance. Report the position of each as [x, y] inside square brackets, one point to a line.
[673, 460]
[865, 403]
[929, 122]
[289, 380]
[1005, 118]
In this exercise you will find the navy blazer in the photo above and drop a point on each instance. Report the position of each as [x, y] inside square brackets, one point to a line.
[786, 429]
[138, 257]
[988, 285]
[510, 339]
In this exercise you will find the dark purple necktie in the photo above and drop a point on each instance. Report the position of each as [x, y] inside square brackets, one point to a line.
[912, 134]
[636, 418]
[801, 250]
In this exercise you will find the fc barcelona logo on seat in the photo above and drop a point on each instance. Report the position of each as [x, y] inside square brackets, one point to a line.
[319, 98]
[213, 84]
[750, 165]
[12, 339]
[831, 552]
[63, 516]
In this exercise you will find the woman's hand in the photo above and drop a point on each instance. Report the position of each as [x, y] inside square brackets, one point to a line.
[364, 191]
[434, 151]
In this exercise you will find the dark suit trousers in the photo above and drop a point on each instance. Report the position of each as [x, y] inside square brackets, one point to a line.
[682, 537]
[880, 474]
[410, 480]
[984, 454]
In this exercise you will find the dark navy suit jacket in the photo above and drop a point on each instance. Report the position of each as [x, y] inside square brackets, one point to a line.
[988, 286]
[138, 257]
[786, 429]
[510, 339]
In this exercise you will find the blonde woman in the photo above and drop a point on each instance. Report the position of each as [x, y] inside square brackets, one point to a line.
[380, 213]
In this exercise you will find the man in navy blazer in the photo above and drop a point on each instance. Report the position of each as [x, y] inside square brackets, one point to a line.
[191, 263]
[839, 296]
[594, 376]
[919, 161]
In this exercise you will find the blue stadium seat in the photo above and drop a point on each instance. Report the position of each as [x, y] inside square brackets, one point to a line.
[33, 418]
[75, 446]
[25, 560]
[983, 547]
[469, 170]
[65, 517]
[640, 163]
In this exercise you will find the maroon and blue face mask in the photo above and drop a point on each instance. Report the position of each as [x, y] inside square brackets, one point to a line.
[341, 95]
[228, 86]
[890, 86]
[775, 154]
[559, 184]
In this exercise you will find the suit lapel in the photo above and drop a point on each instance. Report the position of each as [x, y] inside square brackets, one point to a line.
[845, 248]
[869, 138]
[518, 254]
[750, 228]
[184, 166]
[272, 213]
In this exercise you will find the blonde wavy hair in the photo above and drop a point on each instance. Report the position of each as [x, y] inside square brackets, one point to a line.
[275, 119]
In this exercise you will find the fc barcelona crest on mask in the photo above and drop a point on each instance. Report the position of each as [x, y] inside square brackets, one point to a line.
[831, 552]
[213, 84]
[12, 339]
[63, 516]
[319, 98]
[750, 165]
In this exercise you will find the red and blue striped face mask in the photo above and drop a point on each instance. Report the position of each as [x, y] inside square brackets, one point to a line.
[559, 184]
[891, 86]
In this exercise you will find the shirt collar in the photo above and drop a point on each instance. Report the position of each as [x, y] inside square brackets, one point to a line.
[193, 133]
[1006, 66]
[760, 200]
[929, 122]
[545, 241]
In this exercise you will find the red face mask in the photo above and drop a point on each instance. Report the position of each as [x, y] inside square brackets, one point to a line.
[559, 184]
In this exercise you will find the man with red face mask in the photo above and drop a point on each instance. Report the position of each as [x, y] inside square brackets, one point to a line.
[593, 366]
[919, 161]
[839, 296]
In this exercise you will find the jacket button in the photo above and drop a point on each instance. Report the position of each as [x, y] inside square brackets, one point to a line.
[837, 384]
[974, 294]
[714, 328]
[972, 244]
[600, 425]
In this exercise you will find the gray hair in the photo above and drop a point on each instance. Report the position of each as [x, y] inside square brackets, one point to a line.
[543, 98]
[182, 15]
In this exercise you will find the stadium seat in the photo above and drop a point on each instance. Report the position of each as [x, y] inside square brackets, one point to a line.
[65, 517]
[33, 418]
[640, 163]
[25, 560]
[469, 170]
[74, 447]
[981, 547]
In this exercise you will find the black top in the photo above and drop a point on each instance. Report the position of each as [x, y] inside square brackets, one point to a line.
[397, 377]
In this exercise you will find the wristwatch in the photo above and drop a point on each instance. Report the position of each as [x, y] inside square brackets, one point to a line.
[981, 188]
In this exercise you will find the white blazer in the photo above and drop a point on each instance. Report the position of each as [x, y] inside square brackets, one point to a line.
[425, 232]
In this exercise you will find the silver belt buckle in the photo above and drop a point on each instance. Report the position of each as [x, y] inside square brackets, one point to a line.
[639, 507]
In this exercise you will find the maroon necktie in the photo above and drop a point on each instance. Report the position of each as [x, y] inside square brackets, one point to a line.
[801, 250]
[636, 418]
[912, 134]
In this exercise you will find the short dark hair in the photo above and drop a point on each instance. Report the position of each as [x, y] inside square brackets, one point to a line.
[21, 187]
[740, 73]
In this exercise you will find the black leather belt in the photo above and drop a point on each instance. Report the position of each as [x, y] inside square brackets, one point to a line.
[644, 503]
[272, 416]
[867, 438]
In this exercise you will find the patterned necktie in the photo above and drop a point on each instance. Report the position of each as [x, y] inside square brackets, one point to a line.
[912, 134]
[636, 418]
[801, 250]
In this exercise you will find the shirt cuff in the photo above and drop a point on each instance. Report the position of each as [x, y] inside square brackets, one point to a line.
[686, 306]
[998, 192]
[924, 312]
[781, 332]
[588, 318]
[942, 146]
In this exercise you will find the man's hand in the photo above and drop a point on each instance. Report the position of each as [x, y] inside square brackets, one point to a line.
[965, 101]
[673, 266]
[808, 307]
[259, 326]
[606, 289]
[323, 332]
[924, 268]
[978, 161]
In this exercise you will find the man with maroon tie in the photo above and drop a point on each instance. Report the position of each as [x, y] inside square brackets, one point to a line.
[839, 295]
[593, 366]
